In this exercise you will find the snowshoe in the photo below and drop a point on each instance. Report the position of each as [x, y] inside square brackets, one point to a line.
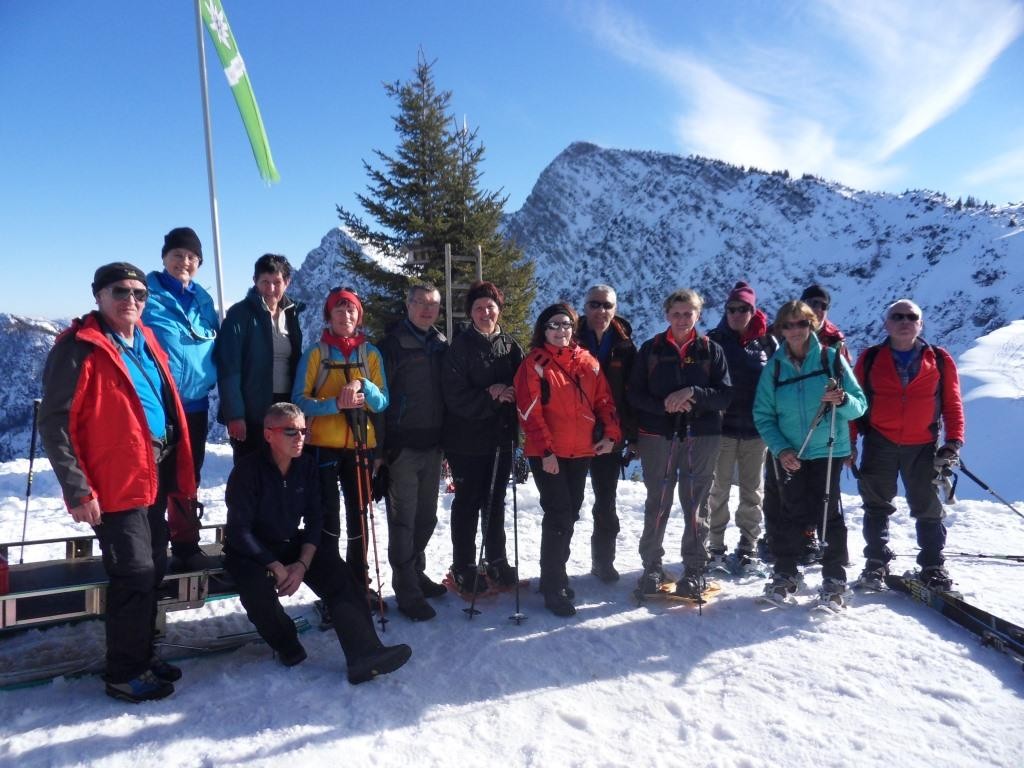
[872, 578]
[780, 590]
[718, 562]
[501, 574]
[559, 603]
[742, 563]
[831, 596]
[936, 578]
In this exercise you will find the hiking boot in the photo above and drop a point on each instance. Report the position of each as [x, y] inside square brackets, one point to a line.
[812, 548]
[164, 670]
[466, 578]
[873, 576]
[781, 588]
[830, 595]
[417, 611]
[559, 603]
[145, 687]
[937, 578]
[501, 573]
[291, 655]
[431, 589]
[651, 581]
[691, 585]
[378, 662]
[605, 573]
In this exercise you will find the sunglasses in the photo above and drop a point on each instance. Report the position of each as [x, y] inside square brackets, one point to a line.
[600, 305]
[290, 431]
[742, 309]
[899, 316]
[795, 324]
[120, 293]
[188, 258]
[817, 304]
[564, 325]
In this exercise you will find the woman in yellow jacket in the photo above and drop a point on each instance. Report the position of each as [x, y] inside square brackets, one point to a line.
[339, 382]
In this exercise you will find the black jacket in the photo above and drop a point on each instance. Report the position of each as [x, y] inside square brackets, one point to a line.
[659, 371]
[412, 364]
[474, 422]
[616, 367]
[745, 365]
[265, 508]
[244, 352]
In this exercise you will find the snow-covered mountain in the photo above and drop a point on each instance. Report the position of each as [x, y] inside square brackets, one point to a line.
[648, 222]
[24, 344]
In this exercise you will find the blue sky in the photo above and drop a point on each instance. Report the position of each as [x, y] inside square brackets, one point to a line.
[101, 122]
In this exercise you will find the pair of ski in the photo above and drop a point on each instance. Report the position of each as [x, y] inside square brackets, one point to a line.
[992, 630]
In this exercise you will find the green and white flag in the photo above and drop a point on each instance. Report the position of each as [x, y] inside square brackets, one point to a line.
[234, 69]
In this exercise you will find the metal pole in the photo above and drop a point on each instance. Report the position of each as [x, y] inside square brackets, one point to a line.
[28, 487]
[479, 263]
[208, 131]
[448, 288]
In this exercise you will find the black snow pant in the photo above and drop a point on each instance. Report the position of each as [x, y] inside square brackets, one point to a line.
[134, 546]
[330, 579]
[803, 497]
[882, 461]
[561, 497]
[472, 474]
[337, 467]
[604, 480]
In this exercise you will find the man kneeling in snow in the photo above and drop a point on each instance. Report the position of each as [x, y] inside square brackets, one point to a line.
[268, 493]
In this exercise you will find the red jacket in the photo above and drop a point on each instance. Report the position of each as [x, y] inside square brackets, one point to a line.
[94, 427]
[908, 416]
[575, 397]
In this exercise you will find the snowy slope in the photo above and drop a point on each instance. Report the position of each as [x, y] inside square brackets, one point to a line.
[649, 222]
[888, 683]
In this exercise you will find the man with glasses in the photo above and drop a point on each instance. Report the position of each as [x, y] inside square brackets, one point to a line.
[743, 336]
[608, 338]
[413, 351]
[910, 385]
[114, 430]
[269, 493]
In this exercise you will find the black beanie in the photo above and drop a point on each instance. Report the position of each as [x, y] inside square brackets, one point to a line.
[111, 273]
[815, 292]
[183, 237]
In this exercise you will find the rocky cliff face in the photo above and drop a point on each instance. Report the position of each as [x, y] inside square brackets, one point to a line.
[647, 223]
[24, 344]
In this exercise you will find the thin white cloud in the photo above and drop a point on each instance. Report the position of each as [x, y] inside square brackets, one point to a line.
[869, 79]
[1007, 167]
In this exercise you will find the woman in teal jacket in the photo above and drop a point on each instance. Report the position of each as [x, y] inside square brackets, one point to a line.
[801, 380]
[182, 317]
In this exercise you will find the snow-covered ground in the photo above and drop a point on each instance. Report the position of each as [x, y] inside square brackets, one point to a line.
[890, 682]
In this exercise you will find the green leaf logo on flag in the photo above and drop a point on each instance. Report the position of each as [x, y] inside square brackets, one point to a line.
[216, 22]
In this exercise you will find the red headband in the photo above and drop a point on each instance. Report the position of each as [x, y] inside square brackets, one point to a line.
[336, 297]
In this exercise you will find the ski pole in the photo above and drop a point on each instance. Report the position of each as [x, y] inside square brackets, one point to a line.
[987, 487]
[364, 498]
[669, 474]
[693, 508]
[979, 555]
[518, 616]
[28, 485]
[485, 525]
[829, 386]
[828, 477]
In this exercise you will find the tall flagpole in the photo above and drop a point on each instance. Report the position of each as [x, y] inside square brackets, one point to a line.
[214, 216]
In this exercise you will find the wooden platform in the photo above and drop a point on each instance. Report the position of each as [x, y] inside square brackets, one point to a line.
[74, 588]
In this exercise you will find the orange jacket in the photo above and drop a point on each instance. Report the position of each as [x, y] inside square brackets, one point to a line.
[94, 428]
[561, 394]
[909, 416]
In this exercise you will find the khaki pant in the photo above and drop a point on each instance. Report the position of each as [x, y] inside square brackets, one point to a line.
[745, 456]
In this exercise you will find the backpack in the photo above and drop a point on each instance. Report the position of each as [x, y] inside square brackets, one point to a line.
[327, 365]
[837, 368]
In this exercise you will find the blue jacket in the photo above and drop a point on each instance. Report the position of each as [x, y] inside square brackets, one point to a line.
[783, 411]
[187, 335]
[746, 362]
[245, 357]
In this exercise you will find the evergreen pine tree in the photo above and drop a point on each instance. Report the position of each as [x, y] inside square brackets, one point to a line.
[425, 195]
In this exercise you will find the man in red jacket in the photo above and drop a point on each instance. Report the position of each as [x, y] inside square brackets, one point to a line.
[114, 430]
[910, 385]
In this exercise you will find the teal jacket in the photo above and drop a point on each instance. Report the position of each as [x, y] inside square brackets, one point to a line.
[187, 336]
[783, 412]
